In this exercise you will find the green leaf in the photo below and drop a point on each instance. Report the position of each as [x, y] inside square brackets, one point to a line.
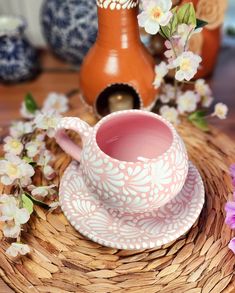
[201, 23]
[29, 161]
[162, 33]
[198, 119]
[186, 14]
[27, 203]
[168, 30]
[197, 115]
[201, 124]
[37, 202]
[30, 103]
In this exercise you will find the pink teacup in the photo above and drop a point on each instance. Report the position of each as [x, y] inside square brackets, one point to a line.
[133, 160]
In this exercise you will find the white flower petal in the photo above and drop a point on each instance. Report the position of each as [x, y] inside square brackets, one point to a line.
[18, 248]
[142, 17]
[49, 172]
[179, 75]
[21, 216]
[11, 231]
[165, 19]
[151, 27]
[5, 180]
[55, 102]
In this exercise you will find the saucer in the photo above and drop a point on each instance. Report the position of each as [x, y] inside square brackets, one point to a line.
[114, 229]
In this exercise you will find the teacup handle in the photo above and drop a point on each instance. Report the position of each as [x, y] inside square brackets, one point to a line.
[76, 124]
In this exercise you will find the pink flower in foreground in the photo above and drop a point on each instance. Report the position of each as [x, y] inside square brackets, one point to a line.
[174, 49]
[232, 170]
[232, 245]
[230, 214]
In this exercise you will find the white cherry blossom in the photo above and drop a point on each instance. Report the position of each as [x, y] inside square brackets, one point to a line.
[34, 147]
[202, 88]
[187, 65]
[17, 249]
[45, 159]
[207, 101]
[170, 113]
[168, 93]
[12, 168]
[155, 13]
[161, 71]
[187, 102]
[184, 33]
[18, 129]
[48, 172]
[12, 145]
[8, 205]
[47, 121]
[56, 102]
[12, 215]
[221, 111]
[42, 191]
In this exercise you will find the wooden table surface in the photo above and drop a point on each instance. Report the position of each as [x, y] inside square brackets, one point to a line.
[222, 82]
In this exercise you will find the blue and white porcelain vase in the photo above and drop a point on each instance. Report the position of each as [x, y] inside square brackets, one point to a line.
[69, 27]
[18, 58]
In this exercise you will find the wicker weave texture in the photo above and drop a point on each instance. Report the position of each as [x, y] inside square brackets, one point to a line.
[63, 261]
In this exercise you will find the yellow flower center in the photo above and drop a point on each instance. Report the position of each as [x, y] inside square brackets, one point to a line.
[50, 122]
[156, 13]
[187, 103]
[15, 144]
[220, 111]
[12, 170]
[185, 64]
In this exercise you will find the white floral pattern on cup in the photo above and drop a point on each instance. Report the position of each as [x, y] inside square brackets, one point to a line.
[129, 186]
[117, 4]
[130, 231]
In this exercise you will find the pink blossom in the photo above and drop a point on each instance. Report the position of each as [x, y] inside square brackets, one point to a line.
[232, 245]
[174, 49]
[232, 170]
[230, 214]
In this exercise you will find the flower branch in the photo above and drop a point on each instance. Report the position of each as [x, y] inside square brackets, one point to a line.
[25, 152]
[177, 26]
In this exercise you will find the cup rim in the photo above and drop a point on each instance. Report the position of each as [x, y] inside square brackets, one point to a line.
[173, 131]
[19, 28]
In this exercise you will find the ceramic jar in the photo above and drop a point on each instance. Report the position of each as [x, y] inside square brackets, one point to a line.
[118, 61]
[69, 27]
[18, 58]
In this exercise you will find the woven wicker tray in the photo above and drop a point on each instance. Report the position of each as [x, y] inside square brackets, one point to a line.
[62, 260]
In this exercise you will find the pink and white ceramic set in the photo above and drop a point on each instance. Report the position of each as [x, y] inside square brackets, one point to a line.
[133, 187]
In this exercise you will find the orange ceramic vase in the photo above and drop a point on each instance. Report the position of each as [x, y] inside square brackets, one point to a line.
[118, 60]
